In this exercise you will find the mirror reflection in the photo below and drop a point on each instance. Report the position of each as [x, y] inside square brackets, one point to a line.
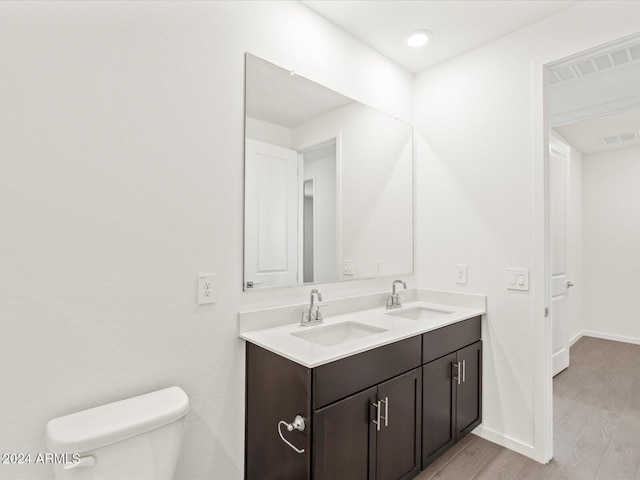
[328, 184]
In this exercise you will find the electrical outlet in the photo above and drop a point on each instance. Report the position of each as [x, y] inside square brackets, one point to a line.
[461, 274]
[378, 267]
[207, 288]
[348, 268]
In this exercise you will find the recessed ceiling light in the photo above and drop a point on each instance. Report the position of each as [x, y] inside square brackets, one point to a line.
[418, 38]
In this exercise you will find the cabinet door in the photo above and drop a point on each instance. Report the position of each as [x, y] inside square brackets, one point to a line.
[399, 438]
[344, 439]
[438, 399]
[469, 394]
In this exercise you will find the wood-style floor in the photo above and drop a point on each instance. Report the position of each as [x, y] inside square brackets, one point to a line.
[596, 410]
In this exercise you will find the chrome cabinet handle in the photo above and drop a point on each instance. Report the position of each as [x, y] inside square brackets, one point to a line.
[458, 367]
[386, 411]
[377, 421]
[464, 371]
[298, 424]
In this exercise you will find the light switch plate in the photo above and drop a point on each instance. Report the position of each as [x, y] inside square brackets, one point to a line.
[348, 268]
[207, 288]
[517, 279]
[461, 274]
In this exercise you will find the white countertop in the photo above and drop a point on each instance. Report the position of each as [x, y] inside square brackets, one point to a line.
[280, 340]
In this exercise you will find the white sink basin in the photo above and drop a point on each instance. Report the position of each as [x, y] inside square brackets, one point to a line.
[420, 313]
[338, 334]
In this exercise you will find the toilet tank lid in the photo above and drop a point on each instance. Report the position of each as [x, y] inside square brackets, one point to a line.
[114, 422]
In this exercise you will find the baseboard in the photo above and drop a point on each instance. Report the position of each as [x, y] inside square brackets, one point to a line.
[610, 336]
[577, 337]
[505, 441]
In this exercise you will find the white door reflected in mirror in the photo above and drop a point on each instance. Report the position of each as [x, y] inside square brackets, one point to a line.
[271, 189]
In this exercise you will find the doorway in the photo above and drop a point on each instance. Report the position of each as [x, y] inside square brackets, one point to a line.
[319, 215]
[592, 125]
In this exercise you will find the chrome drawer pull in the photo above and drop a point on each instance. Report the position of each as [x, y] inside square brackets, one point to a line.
[377, 421]
[457, 377]
[386, 411]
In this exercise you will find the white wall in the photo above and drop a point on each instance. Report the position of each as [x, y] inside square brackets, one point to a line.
[121, 154]
[479, 121]
[612, 243]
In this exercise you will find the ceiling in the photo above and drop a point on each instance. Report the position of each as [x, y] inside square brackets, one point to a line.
[457, 25]
[619, 130]
[591, 97]
[594, 98]
[278, 96]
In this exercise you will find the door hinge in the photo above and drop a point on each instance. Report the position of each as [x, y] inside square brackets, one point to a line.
[546, 312]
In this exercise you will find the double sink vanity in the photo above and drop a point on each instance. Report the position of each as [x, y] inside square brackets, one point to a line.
[376, 393]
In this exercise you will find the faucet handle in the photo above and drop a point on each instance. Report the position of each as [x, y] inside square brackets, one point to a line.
[317, 306]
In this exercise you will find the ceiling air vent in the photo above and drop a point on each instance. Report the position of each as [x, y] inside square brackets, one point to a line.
[625, 137]
[602, 62]
[586, 67]
[595, 64]
[620, 57]
[629, 136]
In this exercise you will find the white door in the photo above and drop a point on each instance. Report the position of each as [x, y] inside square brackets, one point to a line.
[559, 157]
[271, 215]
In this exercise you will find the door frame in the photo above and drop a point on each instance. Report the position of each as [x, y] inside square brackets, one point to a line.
[541, 281]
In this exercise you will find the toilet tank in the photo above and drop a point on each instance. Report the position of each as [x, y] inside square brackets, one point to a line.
[137, 438]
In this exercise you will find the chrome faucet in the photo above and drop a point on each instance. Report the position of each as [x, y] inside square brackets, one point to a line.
[393, 301]
[312, 316]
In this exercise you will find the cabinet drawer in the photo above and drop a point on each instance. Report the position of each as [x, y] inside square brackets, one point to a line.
[341, 378]
[448, 339]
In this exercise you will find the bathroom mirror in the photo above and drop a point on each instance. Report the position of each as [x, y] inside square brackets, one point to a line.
[328, 184]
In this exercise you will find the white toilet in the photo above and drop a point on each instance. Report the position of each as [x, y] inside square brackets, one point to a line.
[134, 439]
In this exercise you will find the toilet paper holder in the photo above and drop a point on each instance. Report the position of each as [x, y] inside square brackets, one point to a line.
[297, 424]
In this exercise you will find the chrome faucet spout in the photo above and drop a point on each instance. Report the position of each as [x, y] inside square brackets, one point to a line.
[393, 301]
[312, 316]
[317, 294]
[396, 282]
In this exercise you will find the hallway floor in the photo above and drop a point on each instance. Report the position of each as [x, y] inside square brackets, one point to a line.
[596, 410]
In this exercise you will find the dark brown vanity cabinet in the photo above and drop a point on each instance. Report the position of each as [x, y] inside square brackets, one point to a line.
[452, 386]
[363, 415]
[378, 415]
